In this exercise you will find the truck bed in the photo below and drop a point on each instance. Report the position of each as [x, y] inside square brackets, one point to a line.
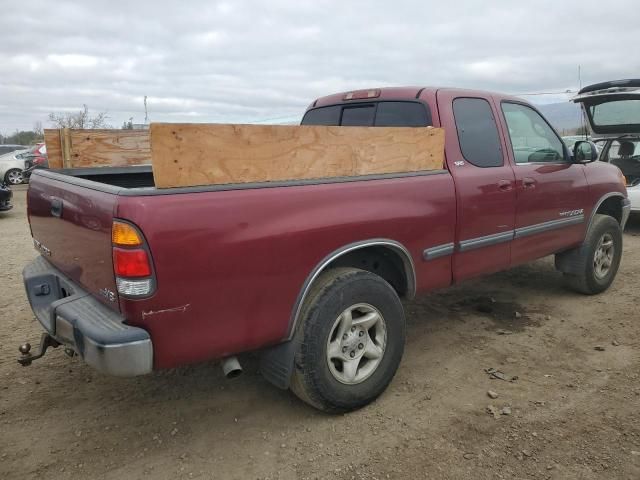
[123, 177]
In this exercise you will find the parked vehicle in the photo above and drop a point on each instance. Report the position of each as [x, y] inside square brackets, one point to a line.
[5, 197]
[311, 273]
[8, 148]
[36, 158]
[613, 111]
[11, 167]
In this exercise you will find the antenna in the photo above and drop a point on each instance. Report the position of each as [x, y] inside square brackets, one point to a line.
[582, 109]
[579, 77]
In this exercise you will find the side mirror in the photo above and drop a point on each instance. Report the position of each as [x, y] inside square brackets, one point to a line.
[585, 151]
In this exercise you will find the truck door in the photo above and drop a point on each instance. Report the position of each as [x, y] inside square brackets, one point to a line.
[551, 190]
[484, 181]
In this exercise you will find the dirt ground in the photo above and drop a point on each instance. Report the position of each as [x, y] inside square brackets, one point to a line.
[573, 411]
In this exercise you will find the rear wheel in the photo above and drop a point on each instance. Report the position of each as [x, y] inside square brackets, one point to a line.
[14, 176]
[352, 340]
[593, 266]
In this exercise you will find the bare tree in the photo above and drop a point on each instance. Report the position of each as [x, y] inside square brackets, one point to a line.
[80, 120]
[38, 131]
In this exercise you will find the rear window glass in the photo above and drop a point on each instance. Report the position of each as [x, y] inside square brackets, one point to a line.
[401, 114]
[621, 112]
[358, 116]
[322, 116]
[477, 132]
[380, 114]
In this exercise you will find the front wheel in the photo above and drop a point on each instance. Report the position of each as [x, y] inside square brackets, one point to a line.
[14, 176]
[593, 266]
[353, 333]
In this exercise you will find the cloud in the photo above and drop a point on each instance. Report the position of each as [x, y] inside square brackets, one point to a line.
[249, 60]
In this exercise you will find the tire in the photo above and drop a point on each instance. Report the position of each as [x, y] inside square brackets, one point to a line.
[14, 176]
[593, 266]
[337, 368]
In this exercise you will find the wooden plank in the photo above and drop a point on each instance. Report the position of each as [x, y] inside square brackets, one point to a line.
[207, 154]
[65, 140]
[68, 148]
[54, 147]
[113, 148]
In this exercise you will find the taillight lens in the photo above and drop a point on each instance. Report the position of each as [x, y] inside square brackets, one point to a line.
[134, 288]
[131, 261]
[125, 235]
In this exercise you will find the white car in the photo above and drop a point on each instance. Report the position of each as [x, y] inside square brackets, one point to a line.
[613, 111]
[11, 167]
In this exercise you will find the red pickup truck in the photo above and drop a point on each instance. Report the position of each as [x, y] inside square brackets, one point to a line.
[311, 273]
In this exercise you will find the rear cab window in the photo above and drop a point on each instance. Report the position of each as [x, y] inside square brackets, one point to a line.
[376, 114]
[477, 132]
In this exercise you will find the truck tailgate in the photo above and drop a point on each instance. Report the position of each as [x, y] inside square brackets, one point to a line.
[71, 226]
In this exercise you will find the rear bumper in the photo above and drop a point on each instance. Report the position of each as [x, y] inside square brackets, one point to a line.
[77, 320]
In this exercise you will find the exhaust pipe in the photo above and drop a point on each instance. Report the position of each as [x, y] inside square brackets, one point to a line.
[231, 367]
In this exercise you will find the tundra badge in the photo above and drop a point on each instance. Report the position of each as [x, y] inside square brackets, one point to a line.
[572, 213]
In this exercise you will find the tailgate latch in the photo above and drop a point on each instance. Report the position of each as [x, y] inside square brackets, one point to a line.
[56, 207]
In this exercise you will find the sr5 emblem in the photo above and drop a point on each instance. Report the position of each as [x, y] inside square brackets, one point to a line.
[108, 294]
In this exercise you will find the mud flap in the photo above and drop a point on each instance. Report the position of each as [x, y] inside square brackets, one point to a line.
[277, 363]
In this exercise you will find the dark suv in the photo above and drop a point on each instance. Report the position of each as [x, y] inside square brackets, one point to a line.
[10, 148]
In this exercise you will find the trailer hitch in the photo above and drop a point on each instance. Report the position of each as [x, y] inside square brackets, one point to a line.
[27, 357]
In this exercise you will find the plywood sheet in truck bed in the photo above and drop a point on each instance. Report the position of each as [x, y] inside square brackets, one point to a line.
[67, 148]
[207, 154]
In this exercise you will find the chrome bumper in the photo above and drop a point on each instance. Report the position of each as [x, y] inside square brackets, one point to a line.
[80, 322]
[626, 211]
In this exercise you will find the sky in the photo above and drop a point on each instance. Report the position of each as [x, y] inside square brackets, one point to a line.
[265, 61]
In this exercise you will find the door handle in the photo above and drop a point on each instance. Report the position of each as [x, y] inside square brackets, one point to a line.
[504, 185]
[528, 182]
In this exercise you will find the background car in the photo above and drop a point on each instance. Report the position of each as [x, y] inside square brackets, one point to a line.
[613, 111]
[11, 167]
[5, 197]
[34, 159]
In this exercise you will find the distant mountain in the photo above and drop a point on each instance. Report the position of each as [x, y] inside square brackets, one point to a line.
[563, 116]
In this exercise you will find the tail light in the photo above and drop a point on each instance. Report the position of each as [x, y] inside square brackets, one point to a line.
[132, 263]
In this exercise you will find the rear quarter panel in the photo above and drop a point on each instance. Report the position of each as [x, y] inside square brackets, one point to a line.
[230, 264]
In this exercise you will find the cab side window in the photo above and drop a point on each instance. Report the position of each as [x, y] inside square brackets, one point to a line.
[477, 132]
[532, 139]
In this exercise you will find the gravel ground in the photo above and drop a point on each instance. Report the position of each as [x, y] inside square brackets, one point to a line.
[572, 413]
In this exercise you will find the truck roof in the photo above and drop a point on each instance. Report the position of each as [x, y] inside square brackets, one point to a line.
[395, 93]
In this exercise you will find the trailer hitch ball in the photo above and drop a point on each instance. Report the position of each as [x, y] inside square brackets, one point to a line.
[26, 357]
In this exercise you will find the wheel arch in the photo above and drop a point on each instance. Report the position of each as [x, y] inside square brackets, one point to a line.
[609, 204]
[387, 258]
